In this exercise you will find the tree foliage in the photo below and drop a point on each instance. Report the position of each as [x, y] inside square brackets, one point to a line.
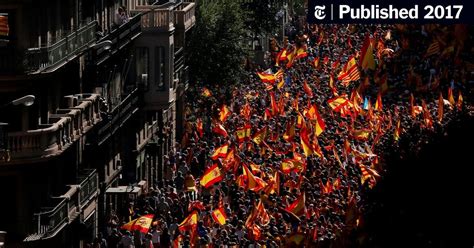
[216, 44]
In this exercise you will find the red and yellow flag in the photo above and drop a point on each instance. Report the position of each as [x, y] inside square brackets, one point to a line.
[141, 224]
[243, 133]
[298, 206]
[253, 183]
[260, 135]
[290, 131]
[266, 77]
[224, 113]
[307, 89]
[378, 103]
[440, 107]
[219, 129]
[460, 101]
[211, 176]
[4, 28]
[451, 96]
[206, 92]
[190, 223]
[219, 216]
[320, 125]
[338, 103]
[361, 134]
[220, 152]
[316, 62]
[349, 72]
[396, 134]
[199, 127]
[367, 55]
[274, 105]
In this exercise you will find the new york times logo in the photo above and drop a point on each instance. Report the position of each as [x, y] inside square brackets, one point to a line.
[319, 12]
[341, 12]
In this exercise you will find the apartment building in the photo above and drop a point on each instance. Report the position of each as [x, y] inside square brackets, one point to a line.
[108, 87]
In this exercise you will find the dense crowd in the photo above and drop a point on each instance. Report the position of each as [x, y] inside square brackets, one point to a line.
[328, 177]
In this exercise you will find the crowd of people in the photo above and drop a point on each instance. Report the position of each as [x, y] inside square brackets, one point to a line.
[314, 147]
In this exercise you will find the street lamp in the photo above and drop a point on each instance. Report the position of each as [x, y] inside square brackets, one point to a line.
[27, 100]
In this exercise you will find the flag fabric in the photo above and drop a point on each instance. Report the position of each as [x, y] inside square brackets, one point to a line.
[206, 92]
[338, 103]
[426, 115]
[260, 136]
[307, 89]
[224, 113]
[4, 28]
[301, 53]
[246, 111]
[298, 206]
[378, 103]
[361, 134]
[253, 183]
[199, 127]
[433, 49]
[219, 216]
[305, 145]
[451, 96]
[211, 176]
[320, 125]
[396, 134]
[367, 60]
[273, 104]
[349, 72]
[460, 101]
[243, 133]
[219, 129]
[190, 223]
[290, 131]
[220, 152]
[316, 62]
[141, 224]
[440, 107]
[267, 77]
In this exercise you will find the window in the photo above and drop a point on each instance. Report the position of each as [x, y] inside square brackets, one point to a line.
[160, 68]
[4, 27]
[142, 66]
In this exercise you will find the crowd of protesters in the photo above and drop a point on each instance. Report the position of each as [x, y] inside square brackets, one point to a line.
[331, 182]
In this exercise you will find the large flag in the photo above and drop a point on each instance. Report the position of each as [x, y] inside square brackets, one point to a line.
[190, 223]
[367, 60]
[141, 224]
[219, 129]
[266, 77]
[260, 136]
[220, 152]
[219, 216]
[298, 206]
[211, 176]
[224, 113]
[243, 133]
[349, 72]
[4, 28]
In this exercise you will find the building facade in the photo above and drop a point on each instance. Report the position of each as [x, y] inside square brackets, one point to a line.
[109, 79]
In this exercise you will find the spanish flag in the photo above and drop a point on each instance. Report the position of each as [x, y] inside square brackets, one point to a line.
[199, 127]
[338, 103]
[307, 89]
[224, 113]
[190, 223]
[211, 176]
[253, 183]
[307, 149]
[367, 55]
[396, 133]
[290, 131]
[4, 29]
[320, 125]
[316, 62]
[141, 224]
[301, 53]
[266, 77]
[219, 216]
[220, 152]
[275, 109]
[219, 129]
[378, 103]
[206, 92]
[243, 133]
[460, 101]
[298, 206]
[260, 136]
[361, 134]
[246, 111]
[451, 96]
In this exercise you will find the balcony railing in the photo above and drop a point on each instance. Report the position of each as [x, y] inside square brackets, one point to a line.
[48, 58]
[185, 17]
[64, 128]
[118, 116]
[158, 19]
[89, 187]
[51, 219]
[120, 37]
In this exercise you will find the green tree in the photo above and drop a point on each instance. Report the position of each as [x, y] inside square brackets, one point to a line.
[216, 44]
[260, 16]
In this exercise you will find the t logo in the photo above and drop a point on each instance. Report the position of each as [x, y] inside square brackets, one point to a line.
[319, 12]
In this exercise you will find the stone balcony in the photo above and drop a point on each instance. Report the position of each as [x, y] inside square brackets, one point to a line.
[63, 129]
